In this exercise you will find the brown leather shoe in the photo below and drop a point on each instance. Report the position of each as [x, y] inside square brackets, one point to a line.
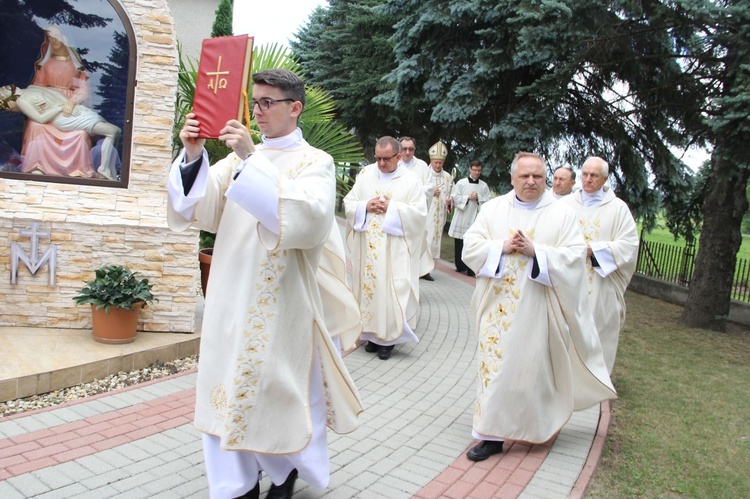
[484, 450]
[283, 491]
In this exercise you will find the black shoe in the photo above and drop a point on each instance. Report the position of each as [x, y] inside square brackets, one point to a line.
[284, 490]
[427, 277]
[371, 347]
[461, 271]
[253, 493]
[470, 273]
[484, 450]
[384, 353]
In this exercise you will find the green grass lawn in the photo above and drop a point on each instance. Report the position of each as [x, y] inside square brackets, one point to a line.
[681, 427]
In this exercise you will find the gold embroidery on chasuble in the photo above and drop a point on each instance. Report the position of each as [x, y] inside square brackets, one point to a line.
[330, 412]
[218, 398]
[590, 229]
[375, 238]
[506, 291]
[255, 340]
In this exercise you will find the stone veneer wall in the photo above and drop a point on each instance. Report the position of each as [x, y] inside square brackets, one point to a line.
[94, 226]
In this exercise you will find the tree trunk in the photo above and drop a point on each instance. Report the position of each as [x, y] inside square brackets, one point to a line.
[725, 204]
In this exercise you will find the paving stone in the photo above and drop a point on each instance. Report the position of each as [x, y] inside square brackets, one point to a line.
[53, 477]
[419, 410]
[28, 485]
[76, 490]
[7, 491]
[101, 480]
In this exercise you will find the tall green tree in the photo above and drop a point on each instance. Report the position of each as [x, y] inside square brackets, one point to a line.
[348, 49]
[718, 55]
[223, 21]
[344, 48]
[629, 81]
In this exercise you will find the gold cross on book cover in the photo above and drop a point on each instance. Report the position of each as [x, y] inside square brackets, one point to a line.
[223, 73]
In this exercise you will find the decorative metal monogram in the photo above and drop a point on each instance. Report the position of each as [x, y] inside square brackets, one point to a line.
[33, 262]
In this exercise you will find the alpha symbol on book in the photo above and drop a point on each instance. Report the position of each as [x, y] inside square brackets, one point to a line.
[217, 82]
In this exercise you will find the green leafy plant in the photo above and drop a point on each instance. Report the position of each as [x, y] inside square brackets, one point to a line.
[115, 286]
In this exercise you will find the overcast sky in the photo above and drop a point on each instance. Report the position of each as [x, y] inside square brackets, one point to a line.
[272, 22]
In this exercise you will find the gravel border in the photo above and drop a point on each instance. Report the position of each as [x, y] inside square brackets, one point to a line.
[107, 384]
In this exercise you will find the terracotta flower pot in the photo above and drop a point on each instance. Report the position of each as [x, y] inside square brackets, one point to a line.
[204, 257]
[116, 327]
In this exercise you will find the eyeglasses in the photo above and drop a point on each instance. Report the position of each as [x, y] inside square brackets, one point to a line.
[407, 149]
[385, 160]
[265, 103]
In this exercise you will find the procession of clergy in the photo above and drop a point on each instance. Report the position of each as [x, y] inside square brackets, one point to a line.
[547, 343]
[280, 312]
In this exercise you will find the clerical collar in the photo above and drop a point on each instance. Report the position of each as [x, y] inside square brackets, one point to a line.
[436, 174]
[592, 200]
[390, 175]
[291, 141]
[409, 164]
[473, 181]
[525, 205]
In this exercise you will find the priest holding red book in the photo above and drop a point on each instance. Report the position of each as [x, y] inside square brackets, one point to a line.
[270, 376]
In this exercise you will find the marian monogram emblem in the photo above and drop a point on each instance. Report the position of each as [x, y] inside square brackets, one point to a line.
[33, 261]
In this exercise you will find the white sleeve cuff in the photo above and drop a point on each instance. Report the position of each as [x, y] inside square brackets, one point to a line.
[541, 260]
[604, 256]
[392, 222]
[256, 190]
[493, 266]
[360, 217]
[182, 204]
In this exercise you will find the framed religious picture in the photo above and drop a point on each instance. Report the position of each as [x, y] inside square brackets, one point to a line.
[66, 92]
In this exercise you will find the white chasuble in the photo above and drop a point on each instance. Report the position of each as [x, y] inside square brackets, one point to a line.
[438, 210]
[263, 321]
[611, 225]
[465, 210]
[383, 277]
[422, 170]
[539, 354]
[340, 307]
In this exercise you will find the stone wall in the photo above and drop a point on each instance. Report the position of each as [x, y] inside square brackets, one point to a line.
[739, 312]
[94, 226]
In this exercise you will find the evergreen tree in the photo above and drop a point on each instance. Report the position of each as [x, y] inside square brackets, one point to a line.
[113, 85]
[629, 81]
[346, 48]
[223, 21]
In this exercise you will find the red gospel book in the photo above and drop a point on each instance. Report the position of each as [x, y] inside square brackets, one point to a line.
[223, 71]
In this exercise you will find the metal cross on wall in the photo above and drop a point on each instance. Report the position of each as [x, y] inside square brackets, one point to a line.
[33, 262]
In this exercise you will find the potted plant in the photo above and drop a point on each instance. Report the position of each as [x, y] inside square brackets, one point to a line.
[116, 296]
[205, 255]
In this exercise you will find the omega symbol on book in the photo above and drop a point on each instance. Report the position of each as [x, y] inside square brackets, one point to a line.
[217, 82]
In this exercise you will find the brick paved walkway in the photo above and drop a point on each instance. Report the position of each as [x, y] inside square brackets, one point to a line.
[139, 442]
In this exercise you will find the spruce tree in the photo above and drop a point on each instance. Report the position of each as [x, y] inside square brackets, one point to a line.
[223, 22]
[633, 82]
